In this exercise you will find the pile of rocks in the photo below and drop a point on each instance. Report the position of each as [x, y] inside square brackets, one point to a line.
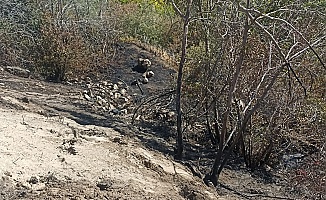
[113, 97]
[108, 96]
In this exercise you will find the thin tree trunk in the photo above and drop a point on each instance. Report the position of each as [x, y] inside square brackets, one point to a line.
[179, 139]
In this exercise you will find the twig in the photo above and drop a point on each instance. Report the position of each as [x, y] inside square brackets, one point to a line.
[123, 82]
[261, 15]
[141, 90]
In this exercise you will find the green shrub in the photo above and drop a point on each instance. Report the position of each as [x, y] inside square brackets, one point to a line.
[149, 21]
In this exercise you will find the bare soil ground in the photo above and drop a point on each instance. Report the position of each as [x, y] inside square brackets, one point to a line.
[46, 154]
[54, 144]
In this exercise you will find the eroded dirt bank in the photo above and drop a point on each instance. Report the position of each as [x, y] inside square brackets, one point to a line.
[51, 147]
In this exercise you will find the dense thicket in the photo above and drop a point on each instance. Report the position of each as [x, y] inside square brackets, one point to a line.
[251, 76]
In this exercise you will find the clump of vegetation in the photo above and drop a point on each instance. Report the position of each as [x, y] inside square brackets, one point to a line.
[55, 38]
[60, 51]
[149, 21]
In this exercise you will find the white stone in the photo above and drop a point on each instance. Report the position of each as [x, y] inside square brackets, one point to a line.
[117, 95]
[38, 186]
[149, 74]
[88, 98]
[145, 80]
[123, 91]
[115, 87]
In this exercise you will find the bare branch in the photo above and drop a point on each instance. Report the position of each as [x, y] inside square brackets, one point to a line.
[305, 49]
[177, 10]
[270, 36]
[298, 79]
[261, 15]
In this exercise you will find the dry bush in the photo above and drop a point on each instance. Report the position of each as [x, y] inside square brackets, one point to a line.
[56, 38]
[60, 50]
[287, 122]
[18, 23]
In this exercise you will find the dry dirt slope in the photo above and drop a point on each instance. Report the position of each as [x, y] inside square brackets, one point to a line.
[46, 154]
[57, 144]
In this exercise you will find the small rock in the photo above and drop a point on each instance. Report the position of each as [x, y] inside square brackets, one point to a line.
[25, 185]
[145, 80]
[115, 111]
[115, 87]
[33, 180]
[117, 95]
[123, 91]
[149, 74]
[88, 98]
[39, 187]
[103, 185]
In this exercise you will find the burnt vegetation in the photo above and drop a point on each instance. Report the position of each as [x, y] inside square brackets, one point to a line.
[251, 75]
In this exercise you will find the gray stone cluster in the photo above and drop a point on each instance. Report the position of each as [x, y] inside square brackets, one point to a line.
[108, 96]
